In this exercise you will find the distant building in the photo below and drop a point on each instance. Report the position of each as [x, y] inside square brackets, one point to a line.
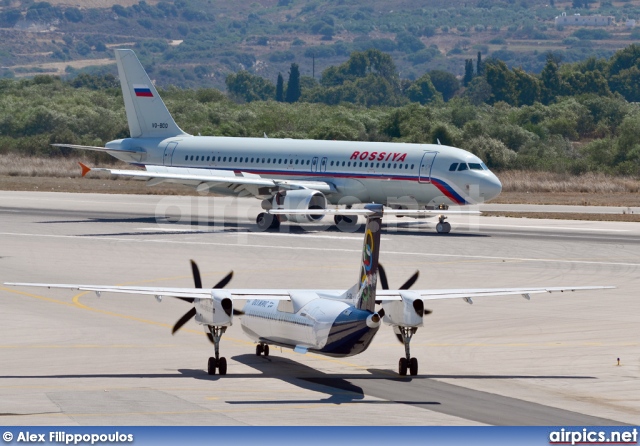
[587, 20]
[631, 23]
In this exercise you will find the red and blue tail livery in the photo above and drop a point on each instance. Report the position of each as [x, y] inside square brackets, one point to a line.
[142, 91]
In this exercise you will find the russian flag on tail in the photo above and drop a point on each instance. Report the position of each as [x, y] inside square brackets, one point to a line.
[142, 91]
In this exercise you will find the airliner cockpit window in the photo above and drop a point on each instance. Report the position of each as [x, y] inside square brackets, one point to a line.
[475, 166]
[462, 166]
[453, 167]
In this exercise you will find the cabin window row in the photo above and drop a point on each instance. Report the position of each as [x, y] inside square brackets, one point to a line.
[235, 159]
[372, 165]
[297, 162]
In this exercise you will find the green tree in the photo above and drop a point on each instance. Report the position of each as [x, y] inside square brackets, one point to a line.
[245, 86]
[293, 84]
[551, 82]
[446, 83]
[280, 88]
[468, 72]
[423, 90]
[502, 82]
[527, 87]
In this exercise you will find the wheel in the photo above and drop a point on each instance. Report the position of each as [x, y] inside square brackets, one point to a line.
[264, 221]
[402, 367]
[258, 349]
[348, 223]
[443, 227]
[222, 366]
[211, 366]
[337, 219]
[266, 350]
[413, 366]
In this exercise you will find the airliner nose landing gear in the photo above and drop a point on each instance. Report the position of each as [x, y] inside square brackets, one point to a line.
[214, 335]
[442, 226]
[407, 362]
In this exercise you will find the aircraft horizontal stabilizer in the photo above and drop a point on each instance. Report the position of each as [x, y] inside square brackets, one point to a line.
[95, 148]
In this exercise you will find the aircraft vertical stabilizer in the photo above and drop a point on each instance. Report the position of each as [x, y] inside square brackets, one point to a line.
[147, 115]
[368, 278]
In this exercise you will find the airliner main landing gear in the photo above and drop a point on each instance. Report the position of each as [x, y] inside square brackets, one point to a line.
[266, 221]
[346, 223]
[262, 349]
[214, 335]
[407, 362]
[442, 226]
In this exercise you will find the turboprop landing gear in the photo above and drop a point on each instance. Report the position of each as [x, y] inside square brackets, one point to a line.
[266, 221]
[262, 349]
[407, 362]
[215, 333]
[442, 226]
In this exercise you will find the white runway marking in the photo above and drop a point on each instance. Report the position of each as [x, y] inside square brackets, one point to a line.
[275, 234]
[308, 248]
[549, 227]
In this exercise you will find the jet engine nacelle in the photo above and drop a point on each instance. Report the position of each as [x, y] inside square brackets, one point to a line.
[217, 311]
[408, 312]
[302, 199]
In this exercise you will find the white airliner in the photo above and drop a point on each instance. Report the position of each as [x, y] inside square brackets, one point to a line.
[291, 173]
[328, 322]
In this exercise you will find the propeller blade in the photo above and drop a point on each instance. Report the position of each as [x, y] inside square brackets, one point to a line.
[183, 320]
[383, 277]
[196, 274]
[210, 337]
[223, 283]
[409, 283]
[427, 311]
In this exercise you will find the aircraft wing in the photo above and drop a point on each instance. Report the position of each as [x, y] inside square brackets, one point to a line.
[180, 293]
[213, 178]
[471, 293]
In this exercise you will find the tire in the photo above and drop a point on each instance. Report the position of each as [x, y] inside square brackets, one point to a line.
[258, 349]
[348, 223]
[337, 220]
[211, 366]
[446, 227]
[266, 350]
[402, 367]
[222, 366]
[264, 221]
[413, 366]
[439, 228]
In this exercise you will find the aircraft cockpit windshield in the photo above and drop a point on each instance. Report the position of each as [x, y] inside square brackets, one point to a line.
[464, 166]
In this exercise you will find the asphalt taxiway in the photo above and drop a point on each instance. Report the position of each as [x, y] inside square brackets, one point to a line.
[71, 358]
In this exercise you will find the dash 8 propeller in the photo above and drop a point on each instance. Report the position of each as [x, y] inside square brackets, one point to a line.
[214, 332]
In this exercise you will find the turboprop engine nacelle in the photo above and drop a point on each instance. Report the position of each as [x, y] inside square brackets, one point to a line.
[302, 199]
[408, 312]
[217, 311]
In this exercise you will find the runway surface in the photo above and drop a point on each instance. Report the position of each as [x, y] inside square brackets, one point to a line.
[71, 358]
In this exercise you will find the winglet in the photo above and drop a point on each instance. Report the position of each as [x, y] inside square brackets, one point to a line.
[85, 169]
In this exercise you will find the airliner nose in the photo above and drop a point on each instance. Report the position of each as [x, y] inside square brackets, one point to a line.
[491, 187]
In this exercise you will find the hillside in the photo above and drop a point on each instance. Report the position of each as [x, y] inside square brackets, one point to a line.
[199, 42]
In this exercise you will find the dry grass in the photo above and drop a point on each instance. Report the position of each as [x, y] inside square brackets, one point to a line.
[591, 183]
[13, 165]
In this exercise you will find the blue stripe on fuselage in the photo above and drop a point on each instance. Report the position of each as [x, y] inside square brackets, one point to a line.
[349, 334]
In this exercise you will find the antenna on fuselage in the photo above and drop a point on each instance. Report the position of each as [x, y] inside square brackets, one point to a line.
[438, 139]
[265, 135]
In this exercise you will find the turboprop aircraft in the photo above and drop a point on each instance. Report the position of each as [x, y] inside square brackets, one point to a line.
[328, 322]
[291, 173]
